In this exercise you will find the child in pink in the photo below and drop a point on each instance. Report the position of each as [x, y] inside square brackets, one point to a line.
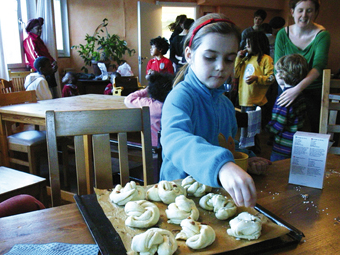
[153, 96]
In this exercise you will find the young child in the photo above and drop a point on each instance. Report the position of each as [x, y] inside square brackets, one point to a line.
[153, 96]
[70, 85]
[196, 111]
[159, 63]
[254, 68]
[290, 70]
[37, 81]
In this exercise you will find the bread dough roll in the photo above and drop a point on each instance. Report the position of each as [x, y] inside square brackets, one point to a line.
[245, 226]
[182, 208]
[154, 240]
[223, 207]
[165, 191]
[194, 188]
[131, 192]
[141, 214]
[197, 235]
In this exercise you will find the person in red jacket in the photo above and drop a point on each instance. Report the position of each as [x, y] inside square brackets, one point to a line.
[34, 47]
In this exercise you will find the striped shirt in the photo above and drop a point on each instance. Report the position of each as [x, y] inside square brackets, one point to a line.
[285, 122]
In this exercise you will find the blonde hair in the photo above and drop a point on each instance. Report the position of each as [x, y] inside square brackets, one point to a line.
[221, 27]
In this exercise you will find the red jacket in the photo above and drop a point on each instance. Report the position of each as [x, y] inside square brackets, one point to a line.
[34, 47]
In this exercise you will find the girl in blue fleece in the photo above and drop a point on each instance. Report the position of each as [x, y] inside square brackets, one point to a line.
[196, 111]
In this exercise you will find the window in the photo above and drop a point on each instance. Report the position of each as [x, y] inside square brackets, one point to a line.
[14, 15]
[61, 24]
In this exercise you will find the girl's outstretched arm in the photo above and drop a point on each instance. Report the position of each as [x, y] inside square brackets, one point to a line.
[239, 184]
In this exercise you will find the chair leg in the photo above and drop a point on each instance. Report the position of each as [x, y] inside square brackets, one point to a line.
[33, 161]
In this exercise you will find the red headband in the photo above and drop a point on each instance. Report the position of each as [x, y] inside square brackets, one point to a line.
[209, 21]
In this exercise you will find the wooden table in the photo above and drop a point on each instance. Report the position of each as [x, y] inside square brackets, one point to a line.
[318, 217]
[59, 224]
[34, 113]
[14, 182]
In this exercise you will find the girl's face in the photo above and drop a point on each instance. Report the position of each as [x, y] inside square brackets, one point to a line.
[213, 61]
[36, 30]
[304, 13]
[248, 46]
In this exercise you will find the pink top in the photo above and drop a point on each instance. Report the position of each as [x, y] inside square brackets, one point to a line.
[140, 98]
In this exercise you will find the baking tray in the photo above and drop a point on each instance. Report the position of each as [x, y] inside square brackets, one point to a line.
[109, 242]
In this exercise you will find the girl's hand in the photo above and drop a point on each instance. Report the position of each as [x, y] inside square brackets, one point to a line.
[258, 165]
[288, 96]
[242, 53]
[250, 79]
[239, 184]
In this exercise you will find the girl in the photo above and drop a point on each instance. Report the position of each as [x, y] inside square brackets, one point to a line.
[254, 68]
[153, 96]
[70, 85]
[196, 111]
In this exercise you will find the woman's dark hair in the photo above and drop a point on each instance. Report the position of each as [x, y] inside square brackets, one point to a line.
[277, 22]
[161, 44]
[267, 28]
[188, 23]
[177, 24]
[259, 44]
[160, 84]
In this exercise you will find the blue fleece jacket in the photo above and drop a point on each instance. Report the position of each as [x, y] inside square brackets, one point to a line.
[192, 118]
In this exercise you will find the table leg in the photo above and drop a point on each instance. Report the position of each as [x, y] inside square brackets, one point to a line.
[4, 159]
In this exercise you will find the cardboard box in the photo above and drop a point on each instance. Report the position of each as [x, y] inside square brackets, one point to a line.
[308, 161]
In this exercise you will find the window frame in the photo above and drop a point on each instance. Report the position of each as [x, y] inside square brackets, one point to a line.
[30, 13]
[65, 30]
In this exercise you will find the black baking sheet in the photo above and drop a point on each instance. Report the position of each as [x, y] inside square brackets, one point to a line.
[110, 243]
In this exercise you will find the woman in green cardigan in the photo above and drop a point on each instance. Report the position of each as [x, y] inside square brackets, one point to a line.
[312, 41]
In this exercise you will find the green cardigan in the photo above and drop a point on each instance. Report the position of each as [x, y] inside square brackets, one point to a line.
[316, 53]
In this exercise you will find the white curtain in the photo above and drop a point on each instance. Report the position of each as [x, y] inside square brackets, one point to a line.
[45, 10]
[3, 64]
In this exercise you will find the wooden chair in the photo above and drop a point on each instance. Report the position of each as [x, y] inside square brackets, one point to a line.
[330, 105]
[125, 85]
[99, 124]
[31, 141]
[18, 79]
[5, 86]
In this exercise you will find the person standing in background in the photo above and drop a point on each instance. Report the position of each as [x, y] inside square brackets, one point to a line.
[177, 27]
[259, 17]
[312, 41]
[176, 47]
[34, 47]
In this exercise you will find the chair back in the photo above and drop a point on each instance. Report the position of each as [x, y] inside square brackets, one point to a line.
[125, 85]
[99, 124]
[5, 86]
[330, 105]
[20, 97]
[18, 79]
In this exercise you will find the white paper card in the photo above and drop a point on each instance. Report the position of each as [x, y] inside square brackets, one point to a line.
[308, 161]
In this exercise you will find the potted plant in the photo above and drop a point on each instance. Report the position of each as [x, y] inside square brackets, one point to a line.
[103, 47]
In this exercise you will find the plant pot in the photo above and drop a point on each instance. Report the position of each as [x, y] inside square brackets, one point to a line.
[96, 69]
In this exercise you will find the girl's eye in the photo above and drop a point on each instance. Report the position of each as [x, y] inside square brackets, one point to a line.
[230, 58]
[209, 58]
